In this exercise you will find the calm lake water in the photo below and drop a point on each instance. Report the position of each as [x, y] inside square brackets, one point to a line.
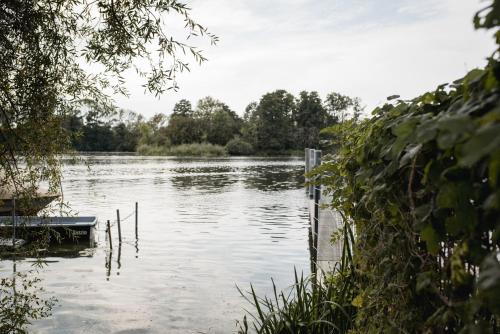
[205, 226]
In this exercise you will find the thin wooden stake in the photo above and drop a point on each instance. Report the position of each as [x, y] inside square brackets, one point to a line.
[13, 222]
[109, 235]
[136, 218]
[119, 226]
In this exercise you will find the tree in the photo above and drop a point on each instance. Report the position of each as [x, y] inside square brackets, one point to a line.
[310, 117]
[184, 130]
[183, 108]
[46, 47]
[250, 123]
[274, 124]
[341, 107]
[220, 123]
[126, 137]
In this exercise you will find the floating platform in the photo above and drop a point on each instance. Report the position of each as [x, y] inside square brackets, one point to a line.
[8, 243]
[75, 229]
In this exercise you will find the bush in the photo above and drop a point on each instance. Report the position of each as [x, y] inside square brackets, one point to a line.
[198, 149]
[238, 146]
[420, 181]
[194, 149]
[146, 149]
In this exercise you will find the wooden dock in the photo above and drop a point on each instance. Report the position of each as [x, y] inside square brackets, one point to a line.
[324, 222]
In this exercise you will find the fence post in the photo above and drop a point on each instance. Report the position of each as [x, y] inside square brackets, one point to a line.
[136, 218]
[119, 226]
[317, 162]
[312, 164]
[317, 197]
[307, 168]
[109, 235]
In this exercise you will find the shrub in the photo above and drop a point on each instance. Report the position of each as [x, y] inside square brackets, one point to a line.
[238, 146]
[198, 149]
[420, 182]
[146, 149]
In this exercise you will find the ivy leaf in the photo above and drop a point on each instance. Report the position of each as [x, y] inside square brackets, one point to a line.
[411, 152]
[489, 281]
[393, 97]
[431, 238]
[485, 141]
[454, 195]
[424, 280]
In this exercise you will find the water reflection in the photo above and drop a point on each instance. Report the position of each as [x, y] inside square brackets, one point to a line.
[202, 182]
[273, 178]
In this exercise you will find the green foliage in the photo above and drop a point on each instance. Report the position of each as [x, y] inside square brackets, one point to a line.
[274, 124]
[184, 130]
[220, 123]
[46, 48]
[198, 149]
[20, 302]
[193, 149]
[238, 146]
[145, 149]
[420, 183]
[309, 117]
[307, 308]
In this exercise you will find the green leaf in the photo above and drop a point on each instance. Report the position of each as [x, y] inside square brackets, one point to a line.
[489, 281]
[424, 280]
[483, 143]
[454, 195]
[411, 152]
[405, 128]
[431, 238]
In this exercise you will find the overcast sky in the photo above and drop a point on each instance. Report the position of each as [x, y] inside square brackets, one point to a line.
[366, 48]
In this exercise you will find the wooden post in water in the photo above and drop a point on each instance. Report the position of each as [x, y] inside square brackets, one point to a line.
[317, 197]
[13, 222]
[312, 164]
[136, 218]
[109, 235]
[306, 168]
[119, 226]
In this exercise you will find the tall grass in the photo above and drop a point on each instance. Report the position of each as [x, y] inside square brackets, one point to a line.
[310, 306]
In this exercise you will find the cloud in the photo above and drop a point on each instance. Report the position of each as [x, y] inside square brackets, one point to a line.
[371, 49]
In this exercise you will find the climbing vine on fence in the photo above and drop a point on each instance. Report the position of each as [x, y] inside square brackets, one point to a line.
[420, 182]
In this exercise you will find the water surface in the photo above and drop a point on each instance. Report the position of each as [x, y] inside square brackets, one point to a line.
[205, 226]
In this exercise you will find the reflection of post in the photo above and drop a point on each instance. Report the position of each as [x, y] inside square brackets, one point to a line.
[13, 222]
[136, 248]
[118, 260]
[109, 235]
[109, 258]
[136, 218]
[119, 226]
[14, 272]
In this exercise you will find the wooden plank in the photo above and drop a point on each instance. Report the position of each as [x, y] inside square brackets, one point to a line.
[48, 221]
[7, 242]
[327, 254]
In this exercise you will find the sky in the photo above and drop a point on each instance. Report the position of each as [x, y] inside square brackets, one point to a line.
[369, 49]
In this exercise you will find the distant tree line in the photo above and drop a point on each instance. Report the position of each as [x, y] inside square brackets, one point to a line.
[279, 122]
